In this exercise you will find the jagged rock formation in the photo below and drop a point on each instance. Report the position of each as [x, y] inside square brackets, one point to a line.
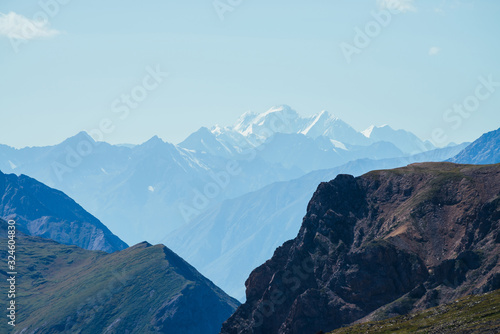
[386, 243]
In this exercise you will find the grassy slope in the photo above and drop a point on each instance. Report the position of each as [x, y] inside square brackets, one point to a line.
[472, 314]
[67, 288]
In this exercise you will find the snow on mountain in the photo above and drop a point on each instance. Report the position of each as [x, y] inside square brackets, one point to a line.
[253, 129]
[368, 132]
[283, 119]
[308, 154]
[115, 182]
[324, 124]
[206, 141]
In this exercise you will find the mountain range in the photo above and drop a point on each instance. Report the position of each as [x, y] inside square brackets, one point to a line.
[125, 186]
[186, 194]
[170, 185]
[423, 235]
[255, 129]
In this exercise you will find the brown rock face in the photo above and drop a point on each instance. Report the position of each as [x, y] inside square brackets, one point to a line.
[386, 243]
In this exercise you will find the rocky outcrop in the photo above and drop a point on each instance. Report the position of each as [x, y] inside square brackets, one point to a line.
[386, 243]
[42, 211]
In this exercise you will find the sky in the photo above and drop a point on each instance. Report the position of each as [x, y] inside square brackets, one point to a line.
[128, 70]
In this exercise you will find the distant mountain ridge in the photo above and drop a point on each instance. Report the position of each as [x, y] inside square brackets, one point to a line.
[254, 129]
[42, 211]
[151, 182]
[169, 185]
[485, 150]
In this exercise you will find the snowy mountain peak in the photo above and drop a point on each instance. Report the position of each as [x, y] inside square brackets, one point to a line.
[325, 113]
[282, 110]
[244, 120]
[216, 129]
[369, 131]
[323, 116]
[253, 129]
[318, 124]
[406, 141]
[282, 119]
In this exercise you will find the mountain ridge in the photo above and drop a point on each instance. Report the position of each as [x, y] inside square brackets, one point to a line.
[256, 128]
[485, 150]
[95, 292]
[42, 211]
[383, 244]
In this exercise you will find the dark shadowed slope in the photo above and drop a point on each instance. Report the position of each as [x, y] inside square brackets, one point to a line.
[49, 213]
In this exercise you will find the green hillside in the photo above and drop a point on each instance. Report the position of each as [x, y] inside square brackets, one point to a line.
[142, 289]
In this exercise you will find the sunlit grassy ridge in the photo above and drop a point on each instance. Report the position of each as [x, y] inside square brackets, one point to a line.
[472, 314]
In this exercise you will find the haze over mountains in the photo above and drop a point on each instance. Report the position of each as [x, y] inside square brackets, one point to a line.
[222, 192]
[257, 223]
[169, 185]
[126, 186]
[226, 200]
[175, 293]
[485, 150]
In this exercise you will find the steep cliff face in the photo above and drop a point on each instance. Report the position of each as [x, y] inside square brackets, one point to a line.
[386, 243]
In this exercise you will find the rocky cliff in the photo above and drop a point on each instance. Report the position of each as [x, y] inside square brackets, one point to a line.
[383, 244]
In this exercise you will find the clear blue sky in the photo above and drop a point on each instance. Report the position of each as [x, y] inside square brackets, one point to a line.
[264, 53]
